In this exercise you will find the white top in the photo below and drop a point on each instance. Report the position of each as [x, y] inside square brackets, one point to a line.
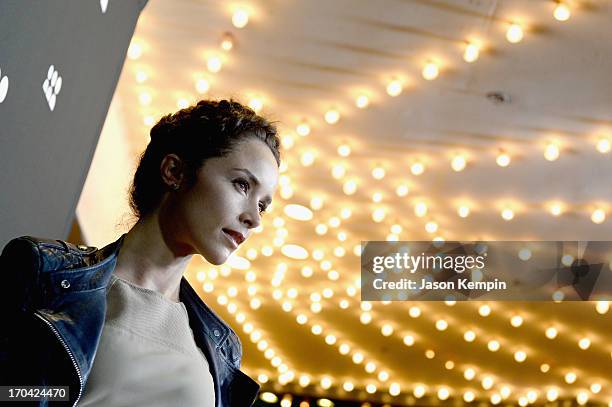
[147, 355]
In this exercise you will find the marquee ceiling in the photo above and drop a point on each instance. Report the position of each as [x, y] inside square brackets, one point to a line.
[423, 163]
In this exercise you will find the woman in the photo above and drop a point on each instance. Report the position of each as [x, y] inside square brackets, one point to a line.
[120, 326]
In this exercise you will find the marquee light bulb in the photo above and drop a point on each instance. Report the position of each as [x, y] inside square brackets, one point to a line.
[332, 116]
[430, 71]
[338, 171]
[362, 101]
[503, 160]
[604, 145]
[303, 129]
[598, 216]
[551, 152]
[344, 150]
[507, 214]
[214, 64]
[463, 211]
[471, 53]
[556, 209]
[378, 173]
[402, 190]
[562, 12]
[458, 163]
[520, 356]
[394, 88]
[420, 209]
[515, 33]
[417, 168]
[202, 86]
[240, 18]
[256, 104]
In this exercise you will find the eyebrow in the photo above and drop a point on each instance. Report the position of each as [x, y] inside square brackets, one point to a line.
[267, 200]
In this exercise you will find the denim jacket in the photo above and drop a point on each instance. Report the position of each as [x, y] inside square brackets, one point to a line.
[55, 302]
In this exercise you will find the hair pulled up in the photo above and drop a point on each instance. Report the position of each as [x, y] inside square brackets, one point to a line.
[206, 130]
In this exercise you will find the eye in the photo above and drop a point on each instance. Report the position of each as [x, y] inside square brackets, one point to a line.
[243, 185]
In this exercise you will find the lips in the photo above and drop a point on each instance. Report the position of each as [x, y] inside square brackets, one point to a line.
[237, 237]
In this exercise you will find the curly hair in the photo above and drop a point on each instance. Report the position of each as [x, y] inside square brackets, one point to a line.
[206, 130]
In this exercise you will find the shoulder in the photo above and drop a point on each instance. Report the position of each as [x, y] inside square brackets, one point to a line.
[42, 254]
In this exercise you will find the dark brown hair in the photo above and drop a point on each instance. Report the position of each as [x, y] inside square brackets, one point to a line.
[206, 130]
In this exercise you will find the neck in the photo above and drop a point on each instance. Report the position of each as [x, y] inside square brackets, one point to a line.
[146, 259]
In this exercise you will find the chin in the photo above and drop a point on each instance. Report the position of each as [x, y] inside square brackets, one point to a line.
[216, 257]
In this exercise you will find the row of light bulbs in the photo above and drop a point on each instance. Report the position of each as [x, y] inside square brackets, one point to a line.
[484, 310]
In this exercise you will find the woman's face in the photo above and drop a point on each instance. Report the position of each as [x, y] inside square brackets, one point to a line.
[226, 202]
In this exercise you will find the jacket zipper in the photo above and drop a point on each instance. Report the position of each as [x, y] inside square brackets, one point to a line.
[76, 367]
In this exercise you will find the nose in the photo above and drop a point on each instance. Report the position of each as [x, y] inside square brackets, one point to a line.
[251, 217]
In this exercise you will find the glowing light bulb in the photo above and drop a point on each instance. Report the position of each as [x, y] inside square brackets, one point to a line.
[394, 389]
[484, 310]
[402, 190]
[141, 76]
[584, 343]
[458, 163]
[202, 86]
[562, 12]
[507, 214]
[551, 152]
[443, 393]
[468, 396]
[469, 373]
[344, 150]
[145, 98]
[602, 307]
[604, 145]
[515, 33]
[430, 71]
[441, 325]
[551, 333]
[182, 103]
[493, 346]
[431, 227]
[503, 160]
[214, 64]
[556, 209]
[471, 53]
[516, 321]
[303, 129]
[256, 104]
[520, 356]
[417, 168]
[419, 391]
[463, 211]
[420, 209]
[348, 386]
[469, 336]
[240, 18]
[377, 197]
[570, 377]
[378, 173]
[394, 88]
[362, 101]
[598, 216]
[349, 187]
[134, 50]
[552, 394]
[227, 43]
[408, 340]
[307, 159]
[332, 116]
[386, 330]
